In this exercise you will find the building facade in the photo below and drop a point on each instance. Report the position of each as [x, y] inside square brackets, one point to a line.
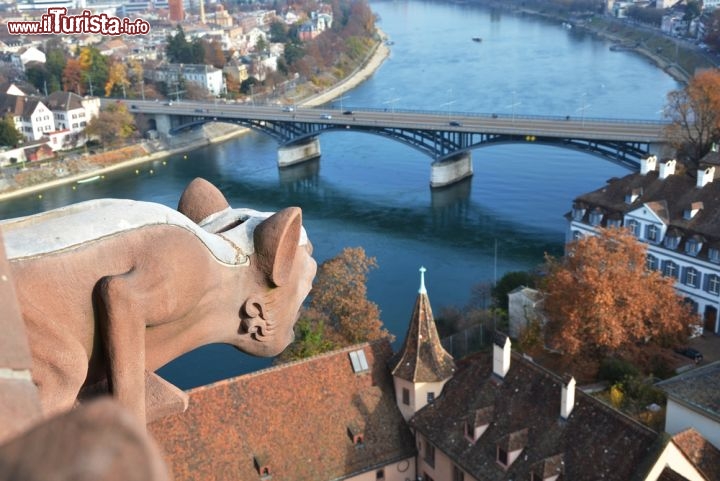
[674, 211]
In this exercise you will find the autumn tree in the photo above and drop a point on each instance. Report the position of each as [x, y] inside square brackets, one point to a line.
[694, 112]
[112, 125]
[339, 313]
[117, 83]
[72, 77]
[95, 68]
[339, 295]
[600, 297]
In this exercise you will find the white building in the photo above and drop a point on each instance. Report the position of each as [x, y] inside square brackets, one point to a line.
[206, 76]
[692, 402]
[71, 111]
[675, 212]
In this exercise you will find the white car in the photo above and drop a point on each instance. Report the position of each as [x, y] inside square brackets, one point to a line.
[326, 116]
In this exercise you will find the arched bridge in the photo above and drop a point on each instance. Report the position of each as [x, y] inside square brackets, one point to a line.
[446, 137]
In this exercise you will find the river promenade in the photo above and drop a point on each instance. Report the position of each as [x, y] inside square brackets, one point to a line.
[212, 133]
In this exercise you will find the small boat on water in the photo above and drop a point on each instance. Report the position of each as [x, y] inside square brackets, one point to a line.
[88, 179]
[477, 39]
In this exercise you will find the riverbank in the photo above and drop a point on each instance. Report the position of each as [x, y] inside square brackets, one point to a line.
[90, 166]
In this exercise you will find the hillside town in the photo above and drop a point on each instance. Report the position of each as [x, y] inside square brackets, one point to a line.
[357, 410]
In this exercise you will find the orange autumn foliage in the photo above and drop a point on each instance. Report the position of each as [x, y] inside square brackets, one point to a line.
[600, 297]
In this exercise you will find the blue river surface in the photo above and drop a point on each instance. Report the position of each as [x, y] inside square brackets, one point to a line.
[373, 192]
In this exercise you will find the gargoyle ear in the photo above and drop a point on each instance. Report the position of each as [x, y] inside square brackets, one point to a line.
[276, 242]
[201, 199]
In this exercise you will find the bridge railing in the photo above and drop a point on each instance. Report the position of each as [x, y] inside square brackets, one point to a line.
[445, 113]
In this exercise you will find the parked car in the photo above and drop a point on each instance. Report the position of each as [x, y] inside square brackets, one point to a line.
[288, 109]
[455, 123]
[690, 352]
[348, 112]
[326, 116]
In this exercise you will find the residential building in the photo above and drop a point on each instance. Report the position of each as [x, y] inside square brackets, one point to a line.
[503, 417]
[206, 76]
[363, 414]
[26, 55]
[693, 402]
[524, 306]
[71, 111]
[676, 212]
[32, 117]
[325, 418]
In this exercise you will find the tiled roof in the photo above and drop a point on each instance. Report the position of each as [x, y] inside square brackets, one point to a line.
[698, 388]
[700, 452]
[64, 101]
[294, 418]
[422, 357]
[668, 198]
[12, 104]
[595, 442]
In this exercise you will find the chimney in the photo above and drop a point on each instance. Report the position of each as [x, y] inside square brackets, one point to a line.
[501, 355]
[705, 176]
[667, 169]
[567, 400]
[648, 164]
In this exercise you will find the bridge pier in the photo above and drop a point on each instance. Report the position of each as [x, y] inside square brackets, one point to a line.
[299, 152]
[451, 170]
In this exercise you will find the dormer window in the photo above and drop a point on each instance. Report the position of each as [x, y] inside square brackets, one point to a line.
[633, 195]
[510, 446]
[578, 211]
[596, 217]
[672, 240]
[714, 255]
[355, 432]
[262, 466]
[614, 222]
[692, 211]
[633, 226]
[693, 246]
[477, 423]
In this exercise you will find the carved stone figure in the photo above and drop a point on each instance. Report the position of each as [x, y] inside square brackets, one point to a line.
[110, 289]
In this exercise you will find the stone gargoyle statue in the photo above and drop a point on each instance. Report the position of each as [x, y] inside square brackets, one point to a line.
[111, 289]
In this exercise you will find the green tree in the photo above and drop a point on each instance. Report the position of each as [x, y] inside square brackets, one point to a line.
[55, 61]
[9, 134]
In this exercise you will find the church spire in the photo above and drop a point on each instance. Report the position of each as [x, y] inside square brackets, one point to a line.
[422, 358]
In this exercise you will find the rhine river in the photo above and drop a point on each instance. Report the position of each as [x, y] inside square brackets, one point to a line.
[373, 192]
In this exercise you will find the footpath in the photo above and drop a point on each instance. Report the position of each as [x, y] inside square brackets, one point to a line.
[71, 169]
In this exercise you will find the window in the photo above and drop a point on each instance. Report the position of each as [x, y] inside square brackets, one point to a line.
[652, 233]
[430, 397]
[672, 241]
[651, 263]
[502, 456]
[713, 284]
[359, 362]
[458, 474]
[380, 474]
[714, 255]
[576, 234]
[692, 247]
[670, 269]
[406, 396]
[430, 455]
[596, 217]
[691, 277]
[634, 227]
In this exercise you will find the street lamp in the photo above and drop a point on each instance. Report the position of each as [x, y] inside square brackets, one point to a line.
[343, 97]
[513, 105]
[583, 108]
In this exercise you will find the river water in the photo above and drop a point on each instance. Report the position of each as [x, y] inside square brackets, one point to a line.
[373, 192]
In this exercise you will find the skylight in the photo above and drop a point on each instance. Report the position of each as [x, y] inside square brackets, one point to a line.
[359, 362]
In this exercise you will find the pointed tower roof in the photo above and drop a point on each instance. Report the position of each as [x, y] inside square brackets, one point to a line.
[422, 357]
